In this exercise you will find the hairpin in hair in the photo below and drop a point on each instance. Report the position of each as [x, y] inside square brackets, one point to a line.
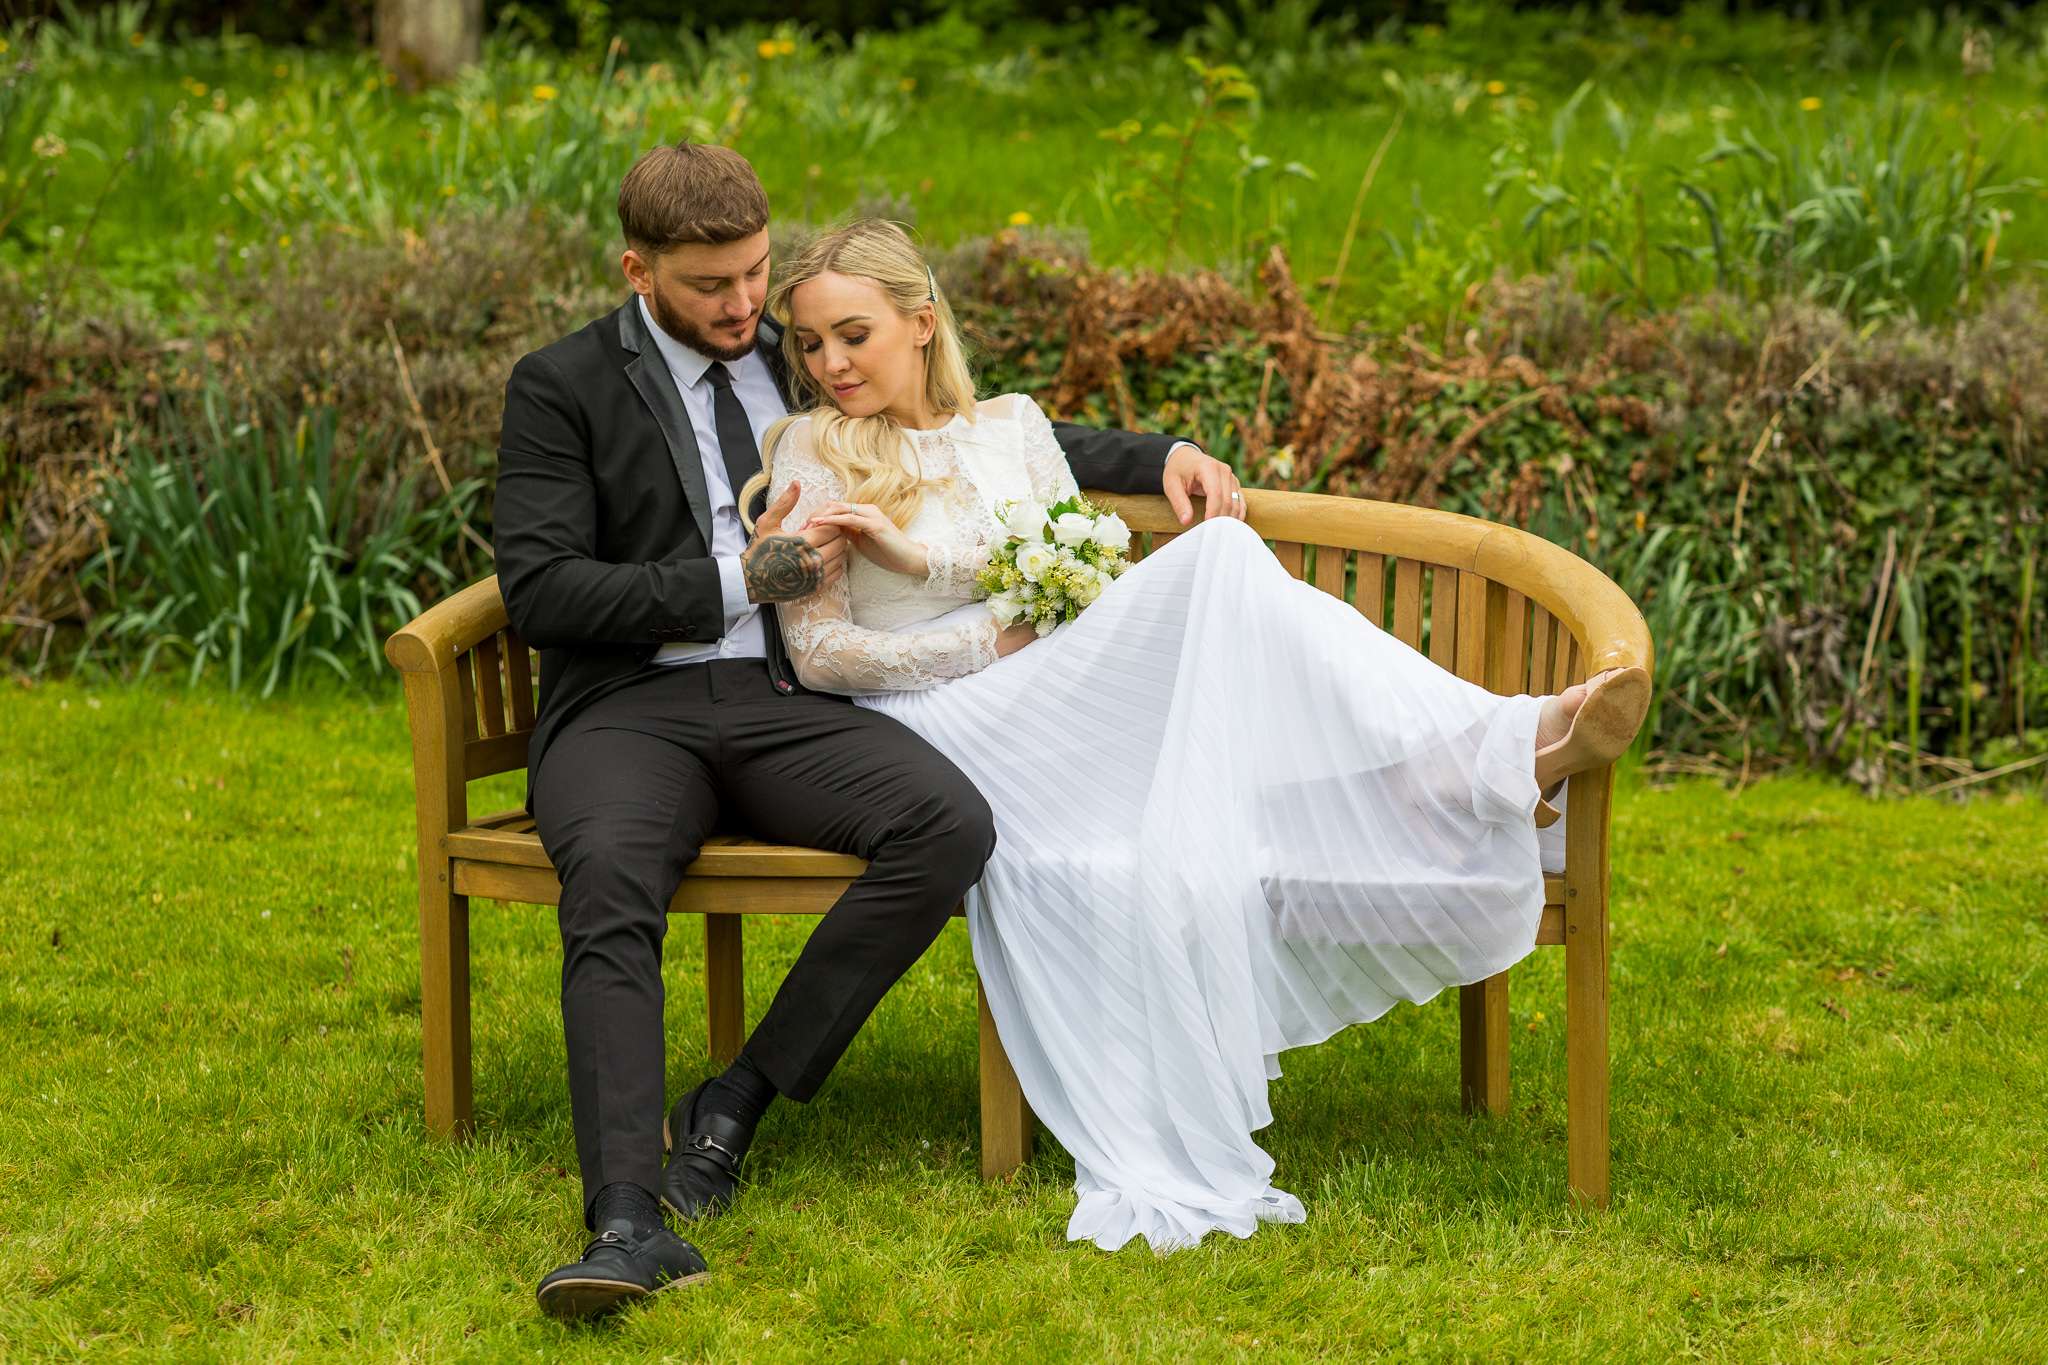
[933, 296]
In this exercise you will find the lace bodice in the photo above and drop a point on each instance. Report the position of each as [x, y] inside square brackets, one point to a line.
[878, 631]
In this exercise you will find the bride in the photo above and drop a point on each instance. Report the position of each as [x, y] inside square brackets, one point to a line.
[1232, 815]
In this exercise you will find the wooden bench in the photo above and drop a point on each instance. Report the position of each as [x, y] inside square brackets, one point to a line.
[1493, 604]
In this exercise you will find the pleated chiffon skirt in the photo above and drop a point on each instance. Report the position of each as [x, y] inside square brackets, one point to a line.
[1233, 816]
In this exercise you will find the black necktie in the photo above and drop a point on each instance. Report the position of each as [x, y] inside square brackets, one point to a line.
[735, 432]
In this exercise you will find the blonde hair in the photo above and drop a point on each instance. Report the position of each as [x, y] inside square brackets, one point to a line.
[866, 452]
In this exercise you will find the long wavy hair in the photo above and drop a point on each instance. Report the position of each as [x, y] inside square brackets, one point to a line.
[866, 452]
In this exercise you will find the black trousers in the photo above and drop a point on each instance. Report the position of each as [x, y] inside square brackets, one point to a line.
[623, 801]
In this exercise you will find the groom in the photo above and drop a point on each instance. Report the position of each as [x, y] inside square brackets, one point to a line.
[668, 707]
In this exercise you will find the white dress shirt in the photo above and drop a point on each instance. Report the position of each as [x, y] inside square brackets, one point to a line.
[745, 631]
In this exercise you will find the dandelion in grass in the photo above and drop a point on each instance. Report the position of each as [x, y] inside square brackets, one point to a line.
[1496, 87]
[1810, 103]
[544, 93]
[1053, 562]
[1020, 219]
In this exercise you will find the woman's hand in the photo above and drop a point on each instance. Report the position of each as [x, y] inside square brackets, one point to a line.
[1010, 639]
[881, 540]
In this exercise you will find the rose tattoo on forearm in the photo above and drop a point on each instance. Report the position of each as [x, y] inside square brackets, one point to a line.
[782, 569]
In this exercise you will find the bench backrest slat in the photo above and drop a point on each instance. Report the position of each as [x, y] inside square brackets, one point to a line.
[465, 677]
[1370, 593]
[1443, 617]
[490, 686]
[1408, 602]
[1329, 570]
[519, 681]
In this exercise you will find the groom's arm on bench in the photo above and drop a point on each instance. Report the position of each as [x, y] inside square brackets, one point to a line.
[557, 592]
[1114, 461]
[1131, 462]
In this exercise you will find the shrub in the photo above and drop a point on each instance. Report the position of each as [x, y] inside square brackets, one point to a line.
[249, 546]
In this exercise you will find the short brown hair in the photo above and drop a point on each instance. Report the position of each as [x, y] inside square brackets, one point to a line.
[690, 192]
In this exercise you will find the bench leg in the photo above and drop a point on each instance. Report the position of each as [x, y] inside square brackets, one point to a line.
[444, 1005]
[1005, 1117]
[724, 988]
[1483, 1045]
[1585, 989]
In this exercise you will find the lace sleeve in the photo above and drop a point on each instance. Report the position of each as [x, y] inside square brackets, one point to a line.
[831, 653]
[953, 568]
[1051, 478]
[954, 561]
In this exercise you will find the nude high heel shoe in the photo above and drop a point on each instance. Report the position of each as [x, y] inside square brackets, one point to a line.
[1601, 729]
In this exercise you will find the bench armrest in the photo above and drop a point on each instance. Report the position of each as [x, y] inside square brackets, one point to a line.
[444, 632]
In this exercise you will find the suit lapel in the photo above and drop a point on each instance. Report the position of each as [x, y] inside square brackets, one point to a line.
[657, 387]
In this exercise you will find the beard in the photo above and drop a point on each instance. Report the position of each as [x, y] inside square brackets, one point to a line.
[693, 336]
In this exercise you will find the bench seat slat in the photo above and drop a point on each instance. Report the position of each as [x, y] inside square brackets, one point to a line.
[731, 857]
[754, 878]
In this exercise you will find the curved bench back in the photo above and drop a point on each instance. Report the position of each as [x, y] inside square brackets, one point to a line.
[1495, 605]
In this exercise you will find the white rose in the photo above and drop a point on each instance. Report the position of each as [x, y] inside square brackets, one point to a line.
[1073, 528]
[1034, 558]
[1111, 532]
[1026, 521]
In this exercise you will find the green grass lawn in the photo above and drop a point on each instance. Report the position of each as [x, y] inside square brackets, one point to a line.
[1828, 1050]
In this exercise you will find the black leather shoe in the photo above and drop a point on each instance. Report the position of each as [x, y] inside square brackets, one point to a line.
[705, 1150]
[617, 1268]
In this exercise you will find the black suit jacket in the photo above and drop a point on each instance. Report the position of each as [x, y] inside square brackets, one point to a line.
[603, 522]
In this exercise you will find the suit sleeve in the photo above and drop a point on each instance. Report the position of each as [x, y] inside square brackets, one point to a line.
[1115, 461]
[557, 591]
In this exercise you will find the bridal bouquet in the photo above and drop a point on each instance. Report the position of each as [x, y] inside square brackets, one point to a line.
[1054, 561]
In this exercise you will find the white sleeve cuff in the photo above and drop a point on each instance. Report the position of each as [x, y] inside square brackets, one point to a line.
[732, 582]
[1177, 446]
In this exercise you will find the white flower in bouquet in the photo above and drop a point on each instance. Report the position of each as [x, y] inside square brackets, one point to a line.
[1034, 558]
[1053, 561]
[1024, 520]
[1073, 529]
[1089, 584]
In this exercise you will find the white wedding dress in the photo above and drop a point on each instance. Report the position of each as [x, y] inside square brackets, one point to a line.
[1232, 817]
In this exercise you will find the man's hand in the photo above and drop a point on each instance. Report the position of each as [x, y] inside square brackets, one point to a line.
[782, 568]
[1187, 466]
